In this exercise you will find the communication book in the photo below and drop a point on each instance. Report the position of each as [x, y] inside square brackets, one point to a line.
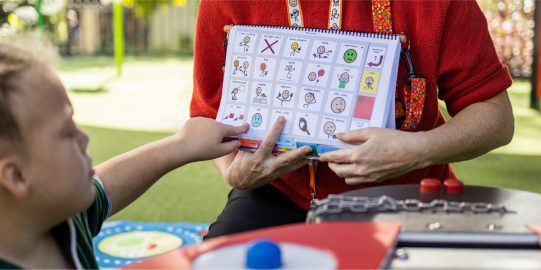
[322, 81]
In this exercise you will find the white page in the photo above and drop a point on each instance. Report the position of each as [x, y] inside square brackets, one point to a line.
[323, 82]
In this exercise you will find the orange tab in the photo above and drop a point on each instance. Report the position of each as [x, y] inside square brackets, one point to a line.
[249, 143]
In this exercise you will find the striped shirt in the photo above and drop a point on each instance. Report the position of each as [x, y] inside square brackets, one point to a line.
[75, 235]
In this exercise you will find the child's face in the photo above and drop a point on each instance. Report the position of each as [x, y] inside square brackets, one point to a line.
[55, 162]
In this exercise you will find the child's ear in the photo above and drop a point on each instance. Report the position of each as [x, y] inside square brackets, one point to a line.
[12, 180]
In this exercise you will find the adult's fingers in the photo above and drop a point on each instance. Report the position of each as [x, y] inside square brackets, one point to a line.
[350, 174]
[294, 166]
[227, 27]
[360, 180]
[339, 156]
[355, 136]
[235, 130]
[270, 140]
[293, 156]
[343, 170]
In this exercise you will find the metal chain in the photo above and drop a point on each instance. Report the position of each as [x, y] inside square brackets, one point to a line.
[335, 204]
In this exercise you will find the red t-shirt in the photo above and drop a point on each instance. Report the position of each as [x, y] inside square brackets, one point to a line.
[450, 47]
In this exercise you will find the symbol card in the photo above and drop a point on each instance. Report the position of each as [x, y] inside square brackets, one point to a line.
[265, 67]
[238, 91]
[338, 104]
[261, 93]
[358, 124]
[245, 42]
[289, 71]
[270, 45]
[351, 54]
[234, 115]
[330, 126]
[296, 48]
[258, 118]
[288, 115]
[375, 58]
[369, 82]
[316, 74]
[345, 78]
[310, 99]
[241, 66]
[284, 96]
[323, 51]
[305, 124]
[364, 107]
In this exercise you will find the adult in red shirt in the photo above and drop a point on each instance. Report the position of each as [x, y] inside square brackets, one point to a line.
[451, 48]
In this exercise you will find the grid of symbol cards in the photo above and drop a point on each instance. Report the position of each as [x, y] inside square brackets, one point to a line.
[322, 86]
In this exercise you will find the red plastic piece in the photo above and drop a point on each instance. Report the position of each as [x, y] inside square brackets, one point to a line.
[430, 185]
[453, 186]
[374, 241]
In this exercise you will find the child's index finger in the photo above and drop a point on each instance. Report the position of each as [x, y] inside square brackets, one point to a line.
[235, 130]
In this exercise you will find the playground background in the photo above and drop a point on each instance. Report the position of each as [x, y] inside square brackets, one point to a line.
[151, 98]
[151, 101]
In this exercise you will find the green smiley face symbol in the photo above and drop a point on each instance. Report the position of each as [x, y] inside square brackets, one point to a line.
[350, 55]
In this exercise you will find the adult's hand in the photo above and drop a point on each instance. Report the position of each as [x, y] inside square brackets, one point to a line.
[380, 154]
[251, 170]
[386, 153]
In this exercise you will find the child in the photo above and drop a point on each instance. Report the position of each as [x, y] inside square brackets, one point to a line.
[52, 201]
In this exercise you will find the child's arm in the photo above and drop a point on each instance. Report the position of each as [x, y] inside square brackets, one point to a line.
[129, 175]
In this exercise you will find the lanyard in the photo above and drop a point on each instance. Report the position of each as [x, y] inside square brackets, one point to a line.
[414, 88]
[381, 15]
[411, 108]
[312, 166]
[296, 20]
[381, 18]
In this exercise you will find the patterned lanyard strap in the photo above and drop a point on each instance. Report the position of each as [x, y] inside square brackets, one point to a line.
[414, 86]
[296, 20]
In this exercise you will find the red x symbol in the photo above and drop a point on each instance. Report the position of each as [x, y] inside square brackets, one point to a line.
[269, 46]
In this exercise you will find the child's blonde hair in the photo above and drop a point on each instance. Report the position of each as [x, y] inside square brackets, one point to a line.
[13, 61]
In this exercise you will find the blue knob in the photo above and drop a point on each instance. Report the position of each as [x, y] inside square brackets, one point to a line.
[264, 254]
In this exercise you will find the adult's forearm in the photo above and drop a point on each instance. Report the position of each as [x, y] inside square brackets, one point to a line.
[474, 131]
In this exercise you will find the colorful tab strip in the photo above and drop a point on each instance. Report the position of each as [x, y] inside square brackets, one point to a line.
[249, 143]
[322, 149]
[312, 145]
[286, 142]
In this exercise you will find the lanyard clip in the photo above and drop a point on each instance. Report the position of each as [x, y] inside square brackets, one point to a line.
[407, 62]
[406, 58]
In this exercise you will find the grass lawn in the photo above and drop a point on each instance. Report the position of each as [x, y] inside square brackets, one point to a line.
[196, 192]
[193, 193]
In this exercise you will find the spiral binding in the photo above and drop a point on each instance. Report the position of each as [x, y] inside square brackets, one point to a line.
[376, 35]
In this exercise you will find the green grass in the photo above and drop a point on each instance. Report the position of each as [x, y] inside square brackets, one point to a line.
[192, 193]
[94, 62]
[196, 192]
[502, 170]
[517, 165]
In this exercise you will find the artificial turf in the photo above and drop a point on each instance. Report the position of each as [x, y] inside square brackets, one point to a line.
[196, 192]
